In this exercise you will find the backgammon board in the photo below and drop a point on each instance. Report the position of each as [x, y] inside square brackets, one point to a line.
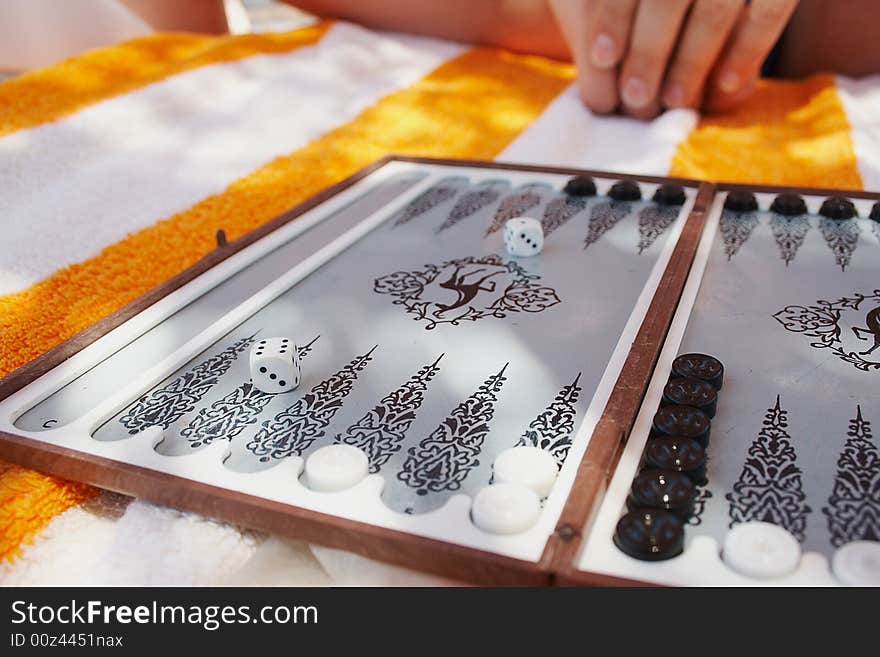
[431, 352]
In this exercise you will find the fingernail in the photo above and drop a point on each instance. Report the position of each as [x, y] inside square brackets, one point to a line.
[673, 96]
[635, 93]
[604, 53]
[728, 82]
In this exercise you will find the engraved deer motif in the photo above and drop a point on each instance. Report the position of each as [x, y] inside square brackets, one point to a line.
[466, 291]
[872, 322]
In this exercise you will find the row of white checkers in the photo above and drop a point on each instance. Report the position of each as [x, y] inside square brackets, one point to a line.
[511, 504]
[763, 550]
[524, 475]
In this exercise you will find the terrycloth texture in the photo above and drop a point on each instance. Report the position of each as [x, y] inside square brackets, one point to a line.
[117, 167]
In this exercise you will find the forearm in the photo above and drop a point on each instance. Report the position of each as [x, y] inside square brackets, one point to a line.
[521, 25]
[843, 37]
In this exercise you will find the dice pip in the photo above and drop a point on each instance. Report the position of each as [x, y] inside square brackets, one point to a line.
[275, 365]
[523, 236]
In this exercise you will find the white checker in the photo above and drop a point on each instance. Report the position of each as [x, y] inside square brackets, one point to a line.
[505, 508]
[528, 465]
[857, 564]
[761, 549]
[335, 467]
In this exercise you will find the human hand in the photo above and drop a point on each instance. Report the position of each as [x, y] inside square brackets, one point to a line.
[645, 55]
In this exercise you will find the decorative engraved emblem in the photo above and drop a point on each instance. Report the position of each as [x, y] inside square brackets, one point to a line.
[702, 499]
[164, 406]
[560, 210]
[293, 430]
[472, 202]
[823, 320]
[442, 192]
[443, 460]
[736, 228]
[552, 429]
[842, 237]
[229, 416]
[521, 201]
[853, 509]
[381, 431]
[467, 289]
[604, 217]
[653, 221]
[770, 487]
[789, 233]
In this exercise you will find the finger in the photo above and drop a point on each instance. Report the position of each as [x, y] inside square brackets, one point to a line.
[649, 111]
[651, 42]
[597, 87]
[717, 102]
[706, 30]
[753, 38]
[609, 34]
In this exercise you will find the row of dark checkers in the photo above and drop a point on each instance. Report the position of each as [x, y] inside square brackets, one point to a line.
[626, 190]
[790, 205]
[663, 494]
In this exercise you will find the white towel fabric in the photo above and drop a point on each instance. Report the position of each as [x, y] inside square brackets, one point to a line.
[161, 149]
[567, 135]
[158, 546]
[861, 101]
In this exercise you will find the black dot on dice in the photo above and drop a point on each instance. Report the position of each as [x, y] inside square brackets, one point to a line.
[262, 370]
[282, 351]
[262, 342]
[282, 383]
[284, 340]
[273, 376]
[522, 236]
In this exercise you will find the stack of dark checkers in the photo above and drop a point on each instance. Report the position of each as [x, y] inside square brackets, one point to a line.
[662, 496]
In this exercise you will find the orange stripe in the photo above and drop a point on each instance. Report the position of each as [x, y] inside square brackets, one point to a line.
[51, 93]
[788, 133]
[28, 501]
[472, 106]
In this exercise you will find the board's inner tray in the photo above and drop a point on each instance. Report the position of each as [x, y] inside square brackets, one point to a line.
[785, 302]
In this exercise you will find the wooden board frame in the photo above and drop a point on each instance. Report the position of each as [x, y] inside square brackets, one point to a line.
[568, 573]
[429, 555]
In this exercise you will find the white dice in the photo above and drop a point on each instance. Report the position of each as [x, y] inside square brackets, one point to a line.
[275, 365]
[523, 236]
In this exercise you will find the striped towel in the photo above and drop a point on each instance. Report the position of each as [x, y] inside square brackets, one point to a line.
[118, 166]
